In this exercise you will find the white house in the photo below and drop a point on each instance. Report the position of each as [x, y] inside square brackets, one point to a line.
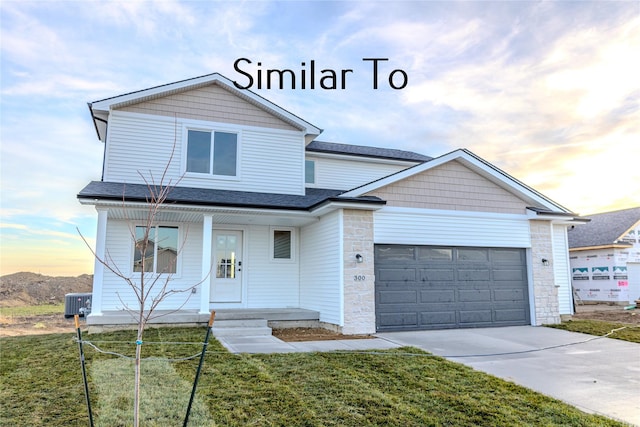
[605, 257]
[264, 216]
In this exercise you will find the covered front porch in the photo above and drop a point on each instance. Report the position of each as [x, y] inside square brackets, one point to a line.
[236, 255]
[225, 258]
[227, 322]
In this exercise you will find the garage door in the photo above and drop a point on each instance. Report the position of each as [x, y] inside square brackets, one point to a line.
[428, 287]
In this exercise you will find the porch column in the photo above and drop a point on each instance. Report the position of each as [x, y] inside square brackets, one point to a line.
[205, 286]
[98, 267]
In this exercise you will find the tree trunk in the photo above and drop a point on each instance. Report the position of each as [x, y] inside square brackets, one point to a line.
[136, 398]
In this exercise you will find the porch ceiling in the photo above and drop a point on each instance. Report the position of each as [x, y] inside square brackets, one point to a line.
[227, 216]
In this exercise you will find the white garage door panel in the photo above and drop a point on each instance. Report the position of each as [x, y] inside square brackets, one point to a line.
[413, 227]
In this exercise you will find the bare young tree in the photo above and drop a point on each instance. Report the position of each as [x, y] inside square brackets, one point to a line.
[151, 280]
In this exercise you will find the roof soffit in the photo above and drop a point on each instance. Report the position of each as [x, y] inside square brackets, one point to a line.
[311, 155]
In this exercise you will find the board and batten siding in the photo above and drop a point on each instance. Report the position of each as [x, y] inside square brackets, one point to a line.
[270, 283]
[270, 160]
[119, 247]
[320, 272]
[342, 174]
[410, 226]
[561, 269]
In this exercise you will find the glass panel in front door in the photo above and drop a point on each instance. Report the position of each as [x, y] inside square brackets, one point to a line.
[226, 254]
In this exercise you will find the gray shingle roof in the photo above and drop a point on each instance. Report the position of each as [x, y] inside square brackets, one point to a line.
[212, 197]
[604, 229]
[364, 151]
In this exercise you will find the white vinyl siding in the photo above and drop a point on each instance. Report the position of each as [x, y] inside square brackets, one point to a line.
[320, 273]
[136, 143]
[269, 284]
[561, 270]
[348, 174]
[450, 228]
[270, 160]
[119, 248]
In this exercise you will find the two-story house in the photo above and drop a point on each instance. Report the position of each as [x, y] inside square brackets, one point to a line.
[264, 216]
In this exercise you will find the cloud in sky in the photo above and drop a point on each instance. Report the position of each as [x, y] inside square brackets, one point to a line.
[546, 91]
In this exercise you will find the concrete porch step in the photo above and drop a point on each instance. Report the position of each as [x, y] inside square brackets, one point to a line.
[240, 328]
[270, 314]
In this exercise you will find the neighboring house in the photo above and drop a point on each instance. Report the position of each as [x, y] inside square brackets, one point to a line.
[266, 217]
[605, 257]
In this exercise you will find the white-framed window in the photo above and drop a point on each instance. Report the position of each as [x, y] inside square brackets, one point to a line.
[309, 172]
[282, 244]
[212, 152]
[161, 255]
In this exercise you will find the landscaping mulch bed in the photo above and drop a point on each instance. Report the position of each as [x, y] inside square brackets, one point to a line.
[313, 334]
[608, 313]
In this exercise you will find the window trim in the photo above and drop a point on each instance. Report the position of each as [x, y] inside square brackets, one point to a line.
[178, 272]
[212, 130]
[293, 241]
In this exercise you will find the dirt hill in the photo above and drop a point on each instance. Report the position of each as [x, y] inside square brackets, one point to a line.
[23, 289]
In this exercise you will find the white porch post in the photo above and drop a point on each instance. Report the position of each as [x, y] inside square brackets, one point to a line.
[98, 267]
[205, 287]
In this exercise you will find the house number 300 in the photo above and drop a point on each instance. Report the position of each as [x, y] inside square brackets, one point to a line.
[358, 277]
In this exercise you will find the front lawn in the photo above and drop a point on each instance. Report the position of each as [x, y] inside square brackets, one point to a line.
[621, 331]
[42, 386]
[32, 310]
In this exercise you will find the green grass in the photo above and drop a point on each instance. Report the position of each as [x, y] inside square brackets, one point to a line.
[165, 393]
[599, 328]
[33, 310]
[42, 386]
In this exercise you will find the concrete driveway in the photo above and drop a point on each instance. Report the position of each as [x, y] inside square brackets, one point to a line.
[599, 375]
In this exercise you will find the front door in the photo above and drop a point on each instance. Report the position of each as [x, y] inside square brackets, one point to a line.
[227, 266]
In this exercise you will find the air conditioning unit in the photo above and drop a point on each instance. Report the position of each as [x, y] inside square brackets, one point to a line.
[78, 303]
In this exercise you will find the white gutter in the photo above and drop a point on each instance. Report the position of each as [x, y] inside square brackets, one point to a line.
[314, 213]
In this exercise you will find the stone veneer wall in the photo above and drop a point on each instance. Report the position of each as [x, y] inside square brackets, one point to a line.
[545, 293]
[359, 279]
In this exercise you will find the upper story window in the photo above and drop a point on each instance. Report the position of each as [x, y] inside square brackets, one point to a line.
[212, 152]
[161, 253]
[309, 172]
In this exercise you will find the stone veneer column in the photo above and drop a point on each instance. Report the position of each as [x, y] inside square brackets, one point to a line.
[359, 279]
[545, 293]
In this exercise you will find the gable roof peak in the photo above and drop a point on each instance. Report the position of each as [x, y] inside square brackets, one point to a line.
[100, 109]
[478, 165]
